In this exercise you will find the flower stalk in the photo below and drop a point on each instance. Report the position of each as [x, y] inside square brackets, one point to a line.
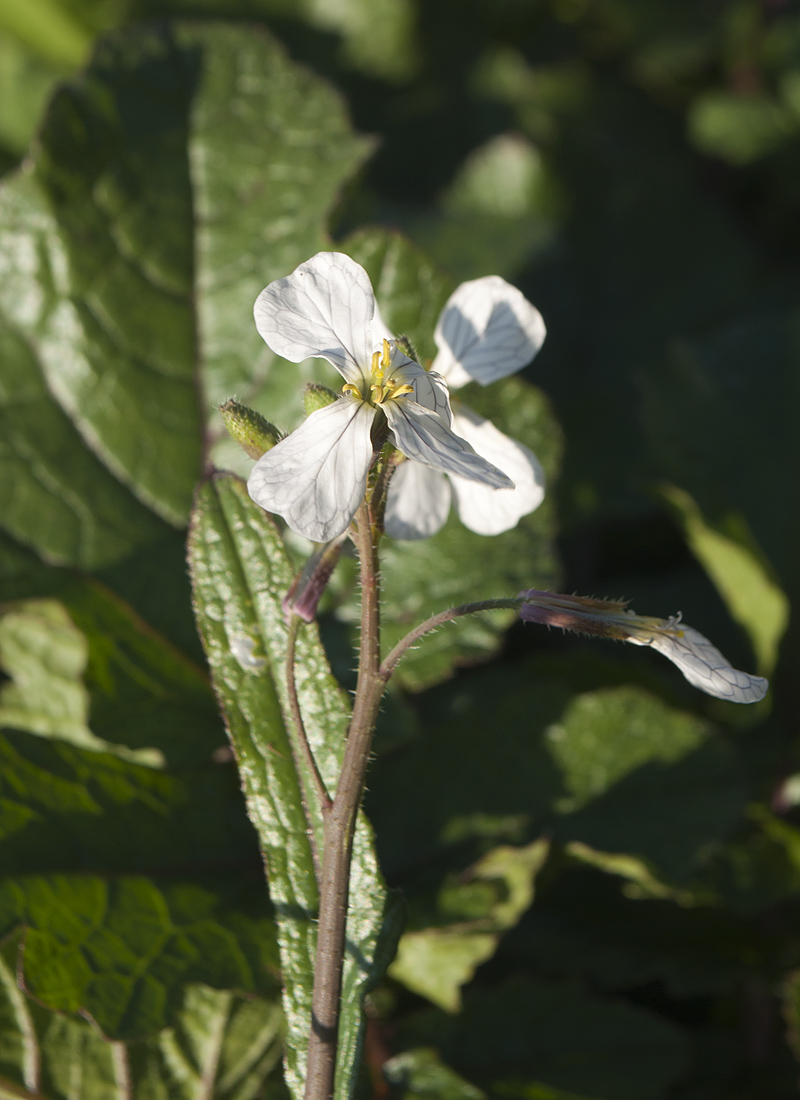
[339, 819]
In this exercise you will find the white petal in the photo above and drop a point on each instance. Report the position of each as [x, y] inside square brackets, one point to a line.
[324, 308]
[491, 511]
[487, 330]
[380, 330]
[422, 435]
[316, 477]
[430, 389]
[704, 666]
[418, 502]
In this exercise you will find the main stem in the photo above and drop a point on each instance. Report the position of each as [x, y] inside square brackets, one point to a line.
[339, 824]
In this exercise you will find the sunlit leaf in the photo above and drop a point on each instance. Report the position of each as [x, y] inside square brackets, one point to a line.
[241, 571]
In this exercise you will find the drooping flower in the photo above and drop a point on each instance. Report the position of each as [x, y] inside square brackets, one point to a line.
[316, 477]
[700, 662]
[487, 330]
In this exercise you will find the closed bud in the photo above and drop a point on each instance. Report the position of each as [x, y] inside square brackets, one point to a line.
[406, 347]
[316, 397]
[249, 429]
[312, 580]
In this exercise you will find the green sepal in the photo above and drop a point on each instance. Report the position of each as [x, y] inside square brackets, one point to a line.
[316, 397]
[254, 434]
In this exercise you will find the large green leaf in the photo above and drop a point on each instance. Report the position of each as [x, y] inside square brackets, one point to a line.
[121, 950]
[522, 1035]
[221, 1047]
[176, 177]
[241, 571]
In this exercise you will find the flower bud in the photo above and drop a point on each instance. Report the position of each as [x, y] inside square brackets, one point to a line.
[316, 397]
[407, 348]
[312, 580]
[249, 429]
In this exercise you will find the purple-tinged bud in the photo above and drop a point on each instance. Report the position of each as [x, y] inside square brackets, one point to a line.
[308, 586]
[700, 662]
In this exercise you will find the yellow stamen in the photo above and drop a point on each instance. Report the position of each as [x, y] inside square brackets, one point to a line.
[348, 387]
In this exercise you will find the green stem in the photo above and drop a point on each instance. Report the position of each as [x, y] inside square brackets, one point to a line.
[403, 646]
[339, 827]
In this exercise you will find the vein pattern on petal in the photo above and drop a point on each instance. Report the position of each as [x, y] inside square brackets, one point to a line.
[316, 477]
[418, 502]
[704, 666]
[323, 309]
[491, 511]
[487, 330]
[422, 435]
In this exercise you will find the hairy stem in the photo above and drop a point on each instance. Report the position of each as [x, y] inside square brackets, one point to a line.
[339, 827]
[413, 636]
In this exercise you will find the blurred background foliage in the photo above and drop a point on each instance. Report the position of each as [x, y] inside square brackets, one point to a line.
[634, 167]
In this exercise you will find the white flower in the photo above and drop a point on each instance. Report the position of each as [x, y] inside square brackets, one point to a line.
[487, 331]
[700, 662]
[317, 477]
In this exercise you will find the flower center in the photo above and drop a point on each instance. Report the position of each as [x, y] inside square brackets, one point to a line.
[381, 388]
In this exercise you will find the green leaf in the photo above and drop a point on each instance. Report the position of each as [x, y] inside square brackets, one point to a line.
[26, 83]
[421, 1073]
[120, 951]
[270, 147]
[751, 594]
[45, 655]
[221, 1047]
[135, 244]
[47, 27]
[590, 924]
[524, 1034]
[436, 962]
[705, 406]
[240, 572]
[605, 735]
[56, 495]
[68, 809]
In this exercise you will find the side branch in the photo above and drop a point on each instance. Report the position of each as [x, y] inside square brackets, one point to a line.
[413, 636]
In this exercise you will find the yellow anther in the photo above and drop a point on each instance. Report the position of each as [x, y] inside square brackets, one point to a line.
[386, 360]
[348, 387]
[376, 369]
[401, 391]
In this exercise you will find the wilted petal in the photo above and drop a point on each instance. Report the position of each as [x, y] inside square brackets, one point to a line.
[422, 435]
[487, 330]
[704, 666]
[492, 511]
[316, 477]
[700, 662]
[324, 308]
[417, 503]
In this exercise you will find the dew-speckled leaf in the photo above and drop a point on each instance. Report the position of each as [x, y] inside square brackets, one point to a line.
[240, 572]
